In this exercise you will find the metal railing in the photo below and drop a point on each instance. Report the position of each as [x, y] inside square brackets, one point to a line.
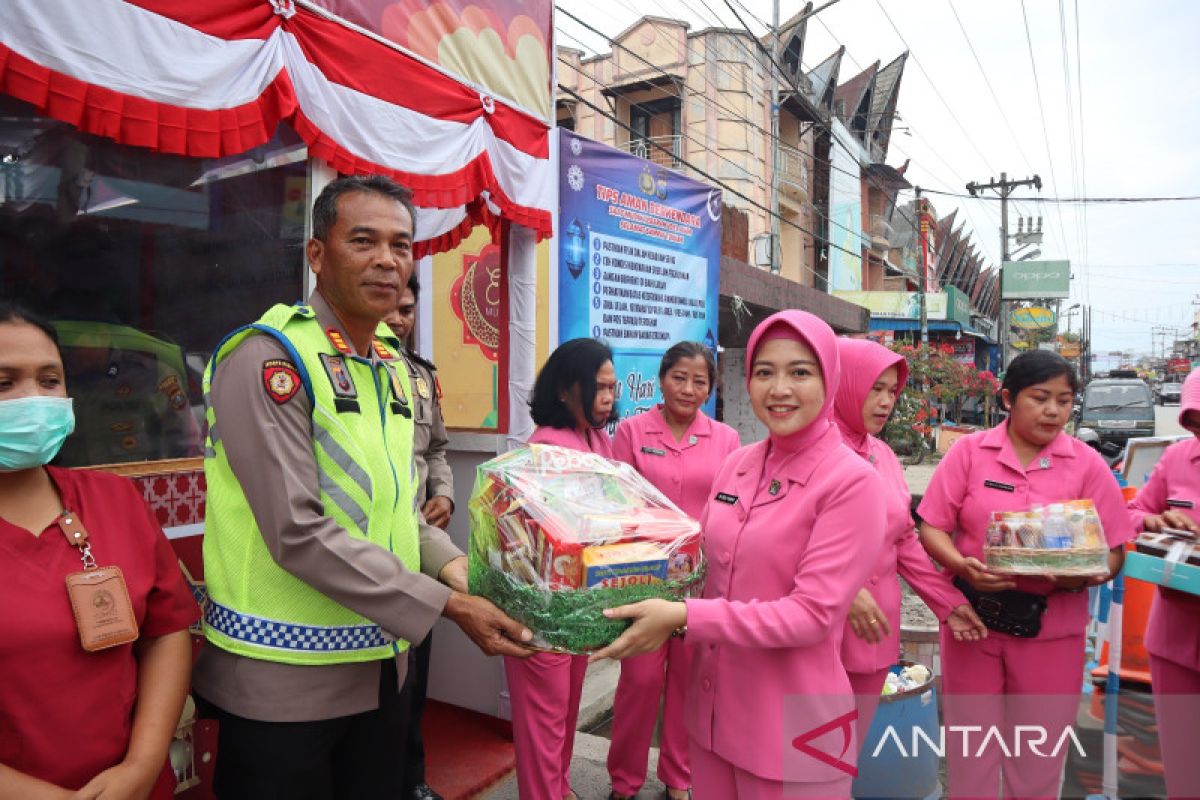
[644, 147]
[793, 167]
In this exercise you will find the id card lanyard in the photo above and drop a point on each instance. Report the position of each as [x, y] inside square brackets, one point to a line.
[99, 597]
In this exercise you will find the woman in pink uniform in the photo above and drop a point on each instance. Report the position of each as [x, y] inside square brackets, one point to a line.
[572, 402]
[1171, 499]
[872, 379]
[679, 449]
[769, 709]
[1011, 680]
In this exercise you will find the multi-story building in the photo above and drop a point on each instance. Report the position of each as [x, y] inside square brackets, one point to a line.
[700, 102]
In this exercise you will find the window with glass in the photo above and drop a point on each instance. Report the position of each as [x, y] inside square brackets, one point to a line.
[144, 262]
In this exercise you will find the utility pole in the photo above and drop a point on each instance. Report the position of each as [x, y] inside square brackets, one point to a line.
[776, 60]
[923, 282]
[1003, 187]
[776, 245]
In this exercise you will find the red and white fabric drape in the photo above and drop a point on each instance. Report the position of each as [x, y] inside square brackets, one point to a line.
[214, 78]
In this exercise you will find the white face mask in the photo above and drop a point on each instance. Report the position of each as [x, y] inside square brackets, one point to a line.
[32, 430]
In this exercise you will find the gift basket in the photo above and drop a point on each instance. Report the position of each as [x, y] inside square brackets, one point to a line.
[1059, 539]
[1169, 558]
[559, 535]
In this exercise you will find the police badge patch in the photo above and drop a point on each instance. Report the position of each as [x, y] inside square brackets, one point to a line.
[339, 376]
[280, 379]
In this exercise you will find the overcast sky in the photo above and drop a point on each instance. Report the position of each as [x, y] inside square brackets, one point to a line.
[1138, 265]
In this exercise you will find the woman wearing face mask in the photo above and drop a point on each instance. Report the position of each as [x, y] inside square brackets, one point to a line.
[1171, 499]
[872, 379]
[1034, 678]
[679, 449]
[78, 723]
[571, 404]
[785, 527]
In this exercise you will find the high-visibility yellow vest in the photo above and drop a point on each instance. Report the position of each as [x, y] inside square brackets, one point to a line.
[362, 433]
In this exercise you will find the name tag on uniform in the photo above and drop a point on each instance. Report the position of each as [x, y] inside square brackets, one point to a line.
[653, 451]
[1175, 503]
[725, 497]
[1004, 487]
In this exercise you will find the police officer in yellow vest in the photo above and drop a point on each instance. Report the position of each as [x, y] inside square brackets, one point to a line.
[319, 570]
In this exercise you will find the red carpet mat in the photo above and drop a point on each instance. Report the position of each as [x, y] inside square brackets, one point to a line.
[465, 751]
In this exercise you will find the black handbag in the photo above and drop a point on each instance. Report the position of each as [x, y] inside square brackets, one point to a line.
[1008, 611]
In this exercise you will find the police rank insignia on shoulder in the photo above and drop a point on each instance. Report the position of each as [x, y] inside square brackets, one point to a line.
[280, 379]
[171, 389]
[337, 341]
[400, 403]
[382, 351]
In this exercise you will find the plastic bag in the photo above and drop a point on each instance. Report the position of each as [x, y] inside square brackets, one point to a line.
[558, 535]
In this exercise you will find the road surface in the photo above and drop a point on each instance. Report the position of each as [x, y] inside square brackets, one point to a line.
[1166, 421]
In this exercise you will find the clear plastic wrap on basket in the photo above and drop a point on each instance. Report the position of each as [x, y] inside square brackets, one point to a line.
[559, 535]
[1064, 539]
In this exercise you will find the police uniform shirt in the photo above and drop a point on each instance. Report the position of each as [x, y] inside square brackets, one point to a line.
[429, 436]
[269, 445]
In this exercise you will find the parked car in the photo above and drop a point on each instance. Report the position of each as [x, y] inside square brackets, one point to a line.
[1169, 393]
[1118, 409]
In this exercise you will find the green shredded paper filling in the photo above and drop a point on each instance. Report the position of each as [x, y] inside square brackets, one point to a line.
[570, 620]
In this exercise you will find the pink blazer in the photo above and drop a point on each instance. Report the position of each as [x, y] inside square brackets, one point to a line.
[783, 565]
[1174, 629]
[981, 474]
[901, 550]
[683, 470]
[596, 441]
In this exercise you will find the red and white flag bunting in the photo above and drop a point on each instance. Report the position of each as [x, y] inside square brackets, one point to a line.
[214, 78]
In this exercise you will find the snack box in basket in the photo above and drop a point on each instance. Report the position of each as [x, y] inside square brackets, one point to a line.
[1165, 560]
[1060, 539]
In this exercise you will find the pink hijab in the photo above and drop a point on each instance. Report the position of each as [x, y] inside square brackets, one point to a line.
[1189, 397]
[863, 361]
[812, 330]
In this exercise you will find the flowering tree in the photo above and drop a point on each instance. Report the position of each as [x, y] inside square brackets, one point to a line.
[938, 386]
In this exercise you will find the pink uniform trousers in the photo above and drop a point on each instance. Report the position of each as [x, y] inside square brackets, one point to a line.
[1033, 682]
[545, 691]
[635, 710]
[1178, 723]
[714, 778]
[867, 687]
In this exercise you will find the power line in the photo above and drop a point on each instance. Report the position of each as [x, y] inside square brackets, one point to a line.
[1042, 112]
[932, 85]
[711, 102]
[703, 146]
[934, 151]
[1080, 234]
[987, 81]
[1087, 200]
[1082, 150]
[580, 98]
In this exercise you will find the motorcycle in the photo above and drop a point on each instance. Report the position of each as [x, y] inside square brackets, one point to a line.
[1112, 453]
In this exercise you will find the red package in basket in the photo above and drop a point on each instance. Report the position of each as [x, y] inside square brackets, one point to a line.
[560, 556]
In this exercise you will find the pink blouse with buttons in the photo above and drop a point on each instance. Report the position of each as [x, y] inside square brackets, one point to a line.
[784, 561]
[1174, 629]
[682, 469]
[901, 551]
[982, 474]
